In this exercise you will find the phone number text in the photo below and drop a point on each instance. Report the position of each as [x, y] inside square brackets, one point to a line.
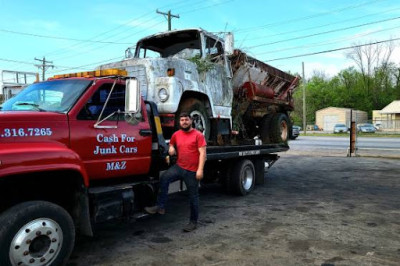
[25, 132]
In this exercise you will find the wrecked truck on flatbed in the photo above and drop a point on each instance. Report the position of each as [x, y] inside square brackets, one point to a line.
[233, 98]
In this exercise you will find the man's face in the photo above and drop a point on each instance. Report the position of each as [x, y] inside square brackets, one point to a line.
[185, 123]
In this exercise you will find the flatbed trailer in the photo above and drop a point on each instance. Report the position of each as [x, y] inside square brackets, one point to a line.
[240, 167]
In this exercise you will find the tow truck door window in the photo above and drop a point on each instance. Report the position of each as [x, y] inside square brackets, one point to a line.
[110, 152]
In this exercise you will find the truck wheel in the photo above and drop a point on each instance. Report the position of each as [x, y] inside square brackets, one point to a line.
[279, 128]
[36, 233]
[265, 128]
[197, 111]
[243, 177]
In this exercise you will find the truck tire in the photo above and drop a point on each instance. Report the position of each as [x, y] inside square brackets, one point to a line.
[279, 128]
[265, 128]
[36, 233]
[243, 177]
[197, 111]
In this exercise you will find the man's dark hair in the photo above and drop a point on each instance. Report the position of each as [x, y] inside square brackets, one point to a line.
[184, 114]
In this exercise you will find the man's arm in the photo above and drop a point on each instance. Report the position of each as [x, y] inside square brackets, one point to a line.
[202, 161]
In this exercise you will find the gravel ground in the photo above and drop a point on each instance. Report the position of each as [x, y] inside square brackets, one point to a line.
[311, 211]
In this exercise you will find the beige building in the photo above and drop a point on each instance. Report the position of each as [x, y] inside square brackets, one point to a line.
[328, 117]
[12, 82]
[388, 118]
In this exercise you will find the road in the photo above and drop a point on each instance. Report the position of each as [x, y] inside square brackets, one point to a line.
[366, 146]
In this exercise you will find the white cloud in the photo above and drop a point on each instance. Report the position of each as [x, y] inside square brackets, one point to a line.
[329, 69]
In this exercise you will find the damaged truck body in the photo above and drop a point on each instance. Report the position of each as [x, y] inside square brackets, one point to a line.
[224, 89]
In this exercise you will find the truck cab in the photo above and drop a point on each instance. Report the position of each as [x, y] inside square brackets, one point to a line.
[63, 114]
[75, 150]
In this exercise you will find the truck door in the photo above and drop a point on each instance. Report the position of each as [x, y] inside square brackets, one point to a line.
[217, 80]
[124, 150]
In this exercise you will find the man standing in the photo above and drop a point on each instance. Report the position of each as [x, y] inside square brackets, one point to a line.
[190, 147]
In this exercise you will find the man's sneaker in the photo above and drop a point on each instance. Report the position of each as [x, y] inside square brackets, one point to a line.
[154, 210]
[190, 227]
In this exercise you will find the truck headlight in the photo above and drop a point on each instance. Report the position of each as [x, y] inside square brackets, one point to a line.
[163, 94]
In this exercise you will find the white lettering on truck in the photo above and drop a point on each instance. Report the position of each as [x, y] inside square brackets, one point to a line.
[111, 149]
[115, 166]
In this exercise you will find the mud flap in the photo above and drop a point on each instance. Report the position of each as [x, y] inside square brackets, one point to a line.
[259, 166]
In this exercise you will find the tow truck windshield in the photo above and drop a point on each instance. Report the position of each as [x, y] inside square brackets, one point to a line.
[49, 96]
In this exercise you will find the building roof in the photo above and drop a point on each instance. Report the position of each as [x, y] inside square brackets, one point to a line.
[339, 109]
[391, 108]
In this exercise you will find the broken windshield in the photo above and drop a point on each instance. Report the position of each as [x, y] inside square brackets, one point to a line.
[181, 44]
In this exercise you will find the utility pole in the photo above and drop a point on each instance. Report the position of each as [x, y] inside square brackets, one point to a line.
[304, 102]
[169, 17]
[44, 66]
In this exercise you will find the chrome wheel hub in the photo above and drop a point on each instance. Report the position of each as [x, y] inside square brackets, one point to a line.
[36, 243]
[247, 180]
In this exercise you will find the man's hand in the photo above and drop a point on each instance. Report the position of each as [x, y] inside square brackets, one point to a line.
[202, 161]
[199, 174]
[171, 150]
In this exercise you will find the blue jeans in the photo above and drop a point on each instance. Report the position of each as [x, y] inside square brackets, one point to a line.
[192, 184]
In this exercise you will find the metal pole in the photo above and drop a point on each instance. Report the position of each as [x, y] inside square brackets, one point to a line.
[169, 20]
[44, 66]
[304, 103]
[351, 132]
[169, 17]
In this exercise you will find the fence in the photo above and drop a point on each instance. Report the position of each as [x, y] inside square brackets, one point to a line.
[387, 125]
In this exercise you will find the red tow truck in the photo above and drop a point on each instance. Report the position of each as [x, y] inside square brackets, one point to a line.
[84, 148]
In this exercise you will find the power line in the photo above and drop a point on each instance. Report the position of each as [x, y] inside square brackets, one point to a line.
[321, 26]
[307, 17]
[16, 61]
[102, 34]
[326, 42]
[332, 50]
[324, 32]
[205, 7]
[90, 64]
[56, 37]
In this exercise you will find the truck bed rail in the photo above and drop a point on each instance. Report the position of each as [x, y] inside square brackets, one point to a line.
[228, 152]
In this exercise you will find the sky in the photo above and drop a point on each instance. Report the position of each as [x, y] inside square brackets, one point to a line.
[80, 35]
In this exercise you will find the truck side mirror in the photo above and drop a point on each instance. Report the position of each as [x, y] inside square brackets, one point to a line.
[132, 98]
[228, 43]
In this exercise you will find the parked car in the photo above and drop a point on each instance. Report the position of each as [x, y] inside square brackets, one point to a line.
[378, 125]
[295, 132]
[366, 128]
[340, 128]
